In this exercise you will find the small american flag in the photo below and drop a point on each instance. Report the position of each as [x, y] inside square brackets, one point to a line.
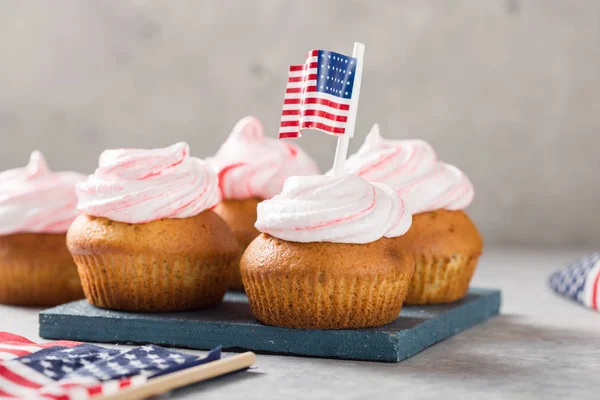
[319, 94]
[580, 281]
[70, 370]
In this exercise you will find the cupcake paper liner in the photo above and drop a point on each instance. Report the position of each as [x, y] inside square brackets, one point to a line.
[325, 302]
[38, 283]
[146, 282]
[441, 280]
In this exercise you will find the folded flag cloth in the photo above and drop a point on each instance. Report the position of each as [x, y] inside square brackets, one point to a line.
[70, 370]
[580, 281]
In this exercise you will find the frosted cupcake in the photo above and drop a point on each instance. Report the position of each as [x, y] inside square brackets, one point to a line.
[36, 208]
[445, 242]
[327, 258]
[147, 239]
[252, 168]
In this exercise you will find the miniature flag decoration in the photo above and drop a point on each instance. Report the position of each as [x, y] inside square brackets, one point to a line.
[70, 370]
[319, 94]
[580, 281]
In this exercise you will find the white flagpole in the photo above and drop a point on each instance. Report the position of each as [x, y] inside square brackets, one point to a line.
[341, 150]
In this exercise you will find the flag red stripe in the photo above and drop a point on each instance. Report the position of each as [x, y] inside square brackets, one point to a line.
[94, 390]
[319, 125]
[5, 394]
[323, 114]
[290, 112]
[313, 53]
[18, 353]
[311, 88]
[18, 379]
[328, 103]
[595, 292]
[9, 338]
[311, 65]
[319, 100]
[287, 135]
[64, 343]
[293, 90]
[311, 77]
[289, 123]
[123, 383]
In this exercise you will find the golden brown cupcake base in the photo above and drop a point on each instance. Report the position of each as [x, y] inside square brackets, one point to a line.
[240, 216]
[446, 246]
[325, 285]
[36, 269]
[165, 265]
[441, 280]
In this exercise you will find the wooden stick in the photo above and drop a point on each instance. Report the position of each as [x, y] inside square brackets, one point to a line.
[185, 377]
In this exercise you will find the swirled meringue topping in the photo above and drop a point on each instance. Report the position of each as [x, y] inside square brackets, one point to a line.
[345, 209]
[138, 186]
[412, 169]
[33, 199]
[252, 165]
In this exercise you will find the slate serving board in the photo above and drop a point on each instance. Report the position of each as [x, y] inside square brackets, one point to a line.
[233, 326]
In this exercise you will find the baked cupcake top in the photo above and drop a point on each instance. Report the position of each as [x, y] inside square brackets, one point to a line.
[412, 169]
[345, 209]
[33, 199]
[252, 165]
[138, 186]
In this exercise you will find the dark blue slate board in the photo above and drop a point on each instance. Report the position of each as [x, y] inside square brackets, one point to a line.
[233, 326]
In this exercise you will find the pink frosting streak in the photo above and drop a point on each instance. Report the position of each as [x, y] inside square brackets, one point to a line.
[138, 186]
[33, 199]
[412, 169]
[322, 208]
[252, 165]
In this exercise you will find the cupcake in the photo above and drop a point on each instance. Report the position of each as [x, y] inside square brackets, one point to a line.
[252, 168]
[445, 243]
[147, 239]
[36, 208]
[327, 258]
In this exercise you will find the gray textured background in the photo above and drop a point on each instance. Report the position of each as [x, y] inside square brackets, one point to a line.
[507, 90]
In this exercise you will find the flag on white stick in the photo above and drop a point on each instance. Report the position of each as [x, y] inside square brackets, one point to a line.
[323, 94]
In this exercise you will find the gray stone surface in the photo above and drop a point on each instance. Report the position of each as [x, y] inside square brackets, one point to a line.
[541, 347]
[506, 89]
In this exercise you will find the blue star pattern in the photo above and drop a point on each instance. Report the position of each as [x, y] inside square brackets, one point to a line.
[102, 364]
[571, 281]
[335, 74]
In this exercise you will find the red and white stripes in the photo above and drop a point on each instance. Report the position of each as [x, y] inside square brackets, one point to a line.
[305, 107]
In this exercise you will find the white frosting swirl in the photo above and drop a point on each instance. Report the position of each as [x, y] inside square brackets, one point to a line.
[137, 186]
[249, 164]
[411, 168]
[33, 199]
[345, 209]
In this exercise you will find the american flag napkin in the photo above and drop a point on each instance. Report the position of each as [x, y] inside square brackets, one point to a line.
[70, 370]
[580, 281]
